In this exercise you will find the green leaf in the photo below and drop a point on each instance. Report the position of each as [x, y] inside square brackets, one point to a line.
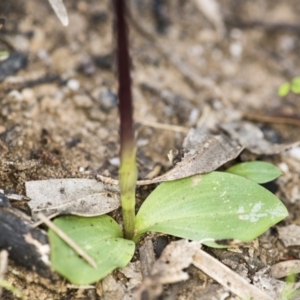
[217, 206]
[284, 89]
[100, 237]
[257, 171]
[295, 86]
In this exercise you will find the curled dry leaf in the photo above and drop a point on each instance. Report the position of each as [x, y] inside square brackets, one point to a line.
[252, 138]
[203, 152]
[82, 197]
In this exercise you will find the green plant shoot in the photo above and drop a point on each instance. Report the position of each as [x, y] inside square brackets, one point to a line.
[128, 169]
[286, 87]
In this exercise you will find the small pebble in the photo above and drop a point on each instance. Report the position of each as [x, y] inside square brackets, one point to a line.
[73, 85]
[15, 95]
[236, 49]
[108, 100]
[295, 153]
[283, 167]
[115, 161]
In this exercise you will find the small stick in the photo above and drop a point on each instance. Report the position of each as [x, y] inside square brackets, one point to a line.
[38, 223]
[112, 181]
[68, 240]
[226, 277]
[271, 119]
[80, 287]
[3, 266]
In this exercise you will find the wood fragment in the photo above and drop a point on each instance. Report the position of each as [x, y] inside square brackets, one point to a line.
[147, 257]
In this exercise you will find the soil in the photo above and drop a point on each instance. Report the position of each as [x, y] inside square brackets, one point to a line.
[59, 114]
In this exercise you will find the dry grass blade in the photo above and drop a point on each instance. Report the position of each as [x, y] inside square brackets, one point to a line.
[226, 277]
[3, 266]
[67, 240]
[60, 10]
[212, 11]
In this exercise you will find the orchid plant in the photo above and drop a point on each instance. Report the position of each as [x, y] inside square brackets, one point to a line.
[210, 208]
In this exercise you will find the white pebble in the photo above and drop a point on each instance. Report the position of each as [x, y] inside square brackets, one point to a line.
[73, 85]
[295, 153]
[283, 167]
[115, 161]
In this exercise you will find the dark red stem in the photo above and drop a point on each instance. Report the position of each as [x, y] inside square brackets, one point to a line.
[123, 62]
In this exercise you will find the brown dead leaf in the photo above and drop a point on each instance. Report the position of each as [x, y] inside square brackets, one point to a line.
[203, 152]
[83, 197]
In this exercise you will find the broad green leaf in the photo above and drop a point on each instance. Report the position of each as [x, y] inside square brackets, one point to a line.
[217, 206]
[257, 171]
[100, 237]
[284, 89]
[295, 86]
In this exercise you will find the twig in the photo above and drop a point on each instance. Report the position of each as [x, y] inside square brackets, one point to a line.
[268, 26]
[226, 277]
[67, 240]
[38, 223]
[109, 180]
[271, 119]
[80, 287]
